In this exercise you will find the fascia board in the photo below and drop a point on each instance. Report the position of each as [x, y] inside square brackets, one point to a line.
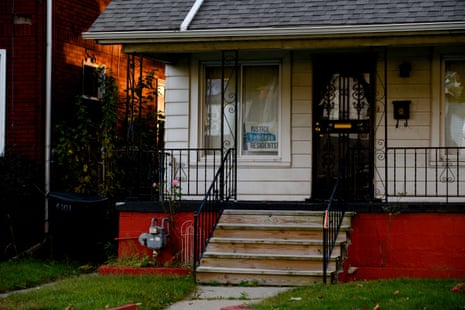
[275, 33]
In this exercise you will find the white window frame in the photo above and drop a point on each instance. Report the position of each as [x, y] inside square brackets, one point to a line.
[2, 101]
[284, 138]
[438, 99]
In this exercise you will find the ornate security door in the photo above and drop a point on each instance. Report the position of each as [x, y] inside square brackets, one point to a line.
[342, 128]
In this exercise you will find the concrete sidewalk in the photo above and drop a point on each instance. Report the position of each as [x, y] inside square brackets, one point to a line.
[226, 297]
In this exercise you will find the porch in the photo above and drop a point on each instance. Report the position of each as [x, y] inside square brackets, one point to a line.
[209, 197]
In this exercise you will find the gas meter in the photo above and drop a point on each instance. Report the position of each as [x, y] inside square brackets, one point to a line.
[156, 238]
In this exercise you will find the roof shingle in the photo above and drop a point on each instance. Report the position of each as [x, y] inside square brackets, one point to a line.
[167, 15]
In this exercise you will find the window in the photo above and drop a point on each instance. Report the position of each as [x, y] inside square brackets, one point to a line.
[92, 78]
[454, 103]
[259, 108]
[2, 101]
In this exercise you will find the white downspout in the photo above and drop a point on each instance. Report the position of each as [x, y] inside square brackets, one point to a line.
[48, 108]
[190, 16]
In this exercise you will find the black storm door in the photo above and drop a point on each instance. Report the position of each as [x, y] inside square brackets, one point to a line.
[342, 127]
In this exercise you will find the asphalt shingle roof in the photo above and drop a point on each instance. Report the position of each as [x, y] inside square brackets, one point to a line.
[138, 15]
[278, 13]
[163, 15]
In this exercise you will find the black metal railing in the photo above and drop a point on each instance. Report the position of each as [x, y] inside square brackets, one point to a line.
[222, 189]
[149, 174]
[332, 220]
[425, 172]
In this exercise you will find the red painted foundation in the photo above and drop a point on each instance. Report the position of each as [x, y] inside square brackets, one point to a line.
[420, 245]
[179, 244]
[407, 245]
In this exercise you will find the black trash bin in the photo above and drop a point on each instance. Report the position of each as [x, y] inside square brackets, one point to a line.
[78, 226]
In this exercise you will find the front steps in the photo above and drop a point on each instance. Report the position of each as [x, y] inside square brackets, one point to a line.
[279, 248]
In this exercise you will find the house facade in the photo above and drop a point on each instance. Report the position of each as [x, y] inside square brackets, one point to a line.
[362, 98]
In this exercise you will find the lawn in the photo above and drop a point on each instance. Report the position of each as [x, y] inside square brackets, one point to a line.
[71, 285]
[86, 290]
[383, 294]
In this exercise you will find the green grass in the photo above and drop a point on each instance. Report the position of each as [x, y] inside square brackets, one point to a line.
[93, 291]
[25, 273]
[85, 291]
[388, 294]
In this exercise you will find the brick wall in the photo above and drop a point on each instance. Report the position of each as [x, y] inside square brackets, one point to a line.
[24, 40]
[25, 45]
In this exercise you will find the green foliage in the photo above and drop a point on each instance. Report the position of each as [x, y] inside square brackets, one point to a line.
[135, 261]
[85, 149]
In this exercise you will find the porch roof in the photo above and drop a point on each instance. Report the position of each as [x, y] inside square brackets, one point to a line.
[170, 22]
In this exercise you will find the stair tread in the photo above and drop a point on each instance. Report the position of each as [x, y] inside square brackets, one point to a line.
[280, 212]
[271, 241]
[222, 225]
[267, 241]
[261, 255]
[274, 212]
[260, 271]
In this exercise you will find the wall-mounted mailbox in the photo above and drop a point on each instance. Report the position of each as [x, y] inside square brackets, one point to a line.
[401, 111]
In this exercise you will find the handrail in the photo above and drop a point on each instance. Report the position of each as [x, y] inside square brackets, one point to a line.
[222, 188]
[332, 221]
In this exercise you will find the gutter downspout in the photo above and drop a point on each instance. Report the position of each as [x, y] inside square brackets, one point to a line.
[48, 104]
[48, 109]
[190, 16]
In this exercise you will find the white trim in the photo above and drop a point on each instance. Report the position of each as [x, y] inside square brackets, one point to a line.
[273, 32]
[2, 101]
[190, 16]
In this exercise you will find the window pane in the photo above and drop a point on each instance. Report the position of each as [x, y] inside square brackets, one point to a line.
[213, 104]
[260, 112]
[455, 104]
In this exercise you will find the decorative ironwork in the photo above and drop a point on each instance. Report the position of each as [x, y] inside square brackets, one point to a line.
[358, 93]
[229, 90]
[342, 134]
[328, 99]
[447, 175]
[425, 172]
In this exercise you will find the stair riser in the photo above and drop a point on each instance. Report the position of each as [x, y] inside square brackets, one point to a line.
[257, 279]
[291, 220]
[261, 248]
[260, 263]
[223, 232]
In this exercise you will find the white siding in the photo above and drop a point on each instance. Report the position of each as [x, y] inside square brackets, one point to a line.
[289, 178]
[177, 98]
